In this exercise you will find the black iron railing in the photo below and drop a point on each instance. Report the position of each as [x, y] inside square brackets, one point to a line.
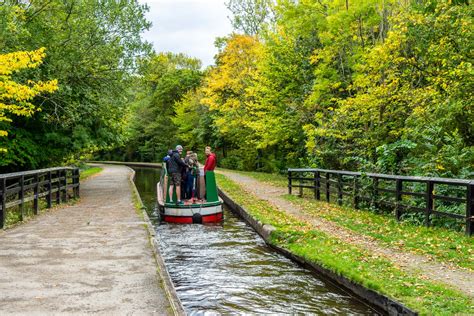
[441, 197]
[20, 188]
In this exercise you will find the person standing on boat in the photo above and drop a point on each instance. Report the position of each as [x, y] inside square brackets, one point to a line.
[167, 158]
[191, 162]
[175, 167]
[211, 160]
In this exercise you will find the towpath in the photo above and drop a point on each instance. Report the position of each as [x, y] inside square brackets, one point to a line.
[461, 279]
[91, 257]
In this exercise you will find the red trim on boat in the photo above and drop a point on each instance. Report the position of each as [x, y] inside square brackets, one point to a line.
[212, 218]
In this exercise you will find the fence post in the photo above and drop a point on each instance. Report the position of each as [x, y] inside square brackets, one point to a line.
[3, 214]
[355, 192]
[21, 195]
[318, 185]
[300, 194]
[429, 202]
[289, 182]
[339, 189]
[398, 198]
[470, 209]
[78, 180]
[50, 189]
[375, 193]
[65, 185]
[328, 193]
[58, 185]
[36, 193]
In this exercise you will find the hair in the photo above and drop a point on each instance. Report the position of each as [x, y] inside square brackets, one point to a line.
[209, 147]
[179, 147]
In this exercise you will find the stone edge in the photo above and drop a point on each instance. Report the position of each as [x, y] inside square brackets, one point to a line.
[170, 290]
[380, 301]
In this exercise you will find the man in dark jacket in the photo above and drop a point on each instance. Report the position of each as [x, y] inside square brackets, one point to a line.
[175, 166]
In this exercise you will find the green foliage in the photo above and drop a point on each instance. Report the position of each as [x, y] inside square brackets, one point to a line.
[366, 85]
[91, 50]
[159, 106]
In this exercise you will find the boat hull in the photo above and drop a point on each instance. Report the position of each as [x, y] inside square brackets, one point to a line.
[192, 215]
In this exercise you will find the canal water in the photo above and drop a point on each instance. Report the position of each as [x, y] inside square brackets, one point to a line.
[228, 269]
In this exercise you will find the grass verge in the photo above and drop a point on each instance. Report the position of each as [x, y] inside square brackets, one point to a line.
[368, 269]
[443, 244]
[89, 171]
[278, 180]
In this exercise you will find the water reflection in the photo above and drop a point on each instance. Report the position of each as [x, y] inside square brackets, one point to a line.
[228, 269]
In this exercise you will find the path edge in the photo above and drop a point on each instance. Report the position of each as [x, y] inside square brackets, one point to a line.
[170, 290]
[383, 302]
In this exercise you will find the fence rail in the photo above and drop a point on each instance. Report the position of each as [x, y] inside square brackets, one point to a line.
[402, 194]
[19, 188]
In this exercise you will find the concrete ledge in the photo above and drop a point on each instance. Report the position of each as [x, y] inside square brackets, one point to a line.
[382, 303]
[175, 302]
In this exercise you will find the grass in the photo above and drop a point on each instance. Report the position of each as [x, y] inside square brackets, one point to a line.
[357, 264]
[89, 171]
[278, 180]
[444, 244]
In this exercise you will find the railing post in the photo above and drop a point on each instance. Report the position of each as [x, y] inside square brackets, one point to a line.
[78, 180]
[317, 192]
[58, 185]
[21, 196]
[300, 194]
[50, 189]
[355, 192]
[339, 189]
[65, 185]
[470, 209]
[36, 195]
[429, 202]
[375, 193]
[3, 214]
[328, 193]
[289, 182]
[398, 198]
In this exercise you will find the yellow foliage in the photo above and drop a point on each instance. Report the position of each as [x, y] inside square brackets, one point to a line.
[15, 97]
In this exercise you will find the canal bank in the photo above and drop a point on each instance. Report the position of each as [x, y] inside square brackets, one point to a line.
[166, 283]
[301, 233]
[383, 303]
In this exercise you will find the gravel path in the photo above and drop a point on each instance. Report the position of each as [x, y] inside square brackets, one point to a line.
[91, 257]
[460, 279]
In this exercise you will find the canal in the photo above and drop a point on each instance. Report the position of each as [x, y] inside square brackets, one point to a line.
[228, 269]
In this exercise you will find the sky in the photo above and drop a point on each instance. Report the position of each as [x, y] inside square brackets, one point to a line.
[187, 26]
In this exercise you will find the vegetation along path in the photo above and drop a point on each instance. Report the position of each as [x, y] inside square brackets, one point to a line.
[91, 257]
[443, 271]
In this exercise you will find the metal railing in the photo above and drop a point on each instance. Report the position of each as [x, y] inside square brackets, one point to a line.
[402, 194]
[19, 188]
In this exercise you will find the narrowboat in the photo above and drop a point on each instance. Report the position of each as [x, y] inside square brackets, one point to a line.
[204, 207]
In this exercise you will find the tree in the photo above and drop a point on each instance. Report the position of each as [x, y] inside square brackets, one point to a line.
[250, 16]
[15, 98]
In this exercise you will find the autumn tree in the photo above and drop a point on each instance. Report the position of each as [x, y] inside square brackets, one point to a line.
[15, 97]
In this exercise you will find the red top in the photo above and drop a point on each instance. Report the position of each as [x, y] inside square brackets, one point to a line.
[210, 162]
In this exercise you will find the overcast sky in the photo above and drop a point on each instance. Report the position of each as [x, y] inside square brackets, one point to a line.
[187, 26]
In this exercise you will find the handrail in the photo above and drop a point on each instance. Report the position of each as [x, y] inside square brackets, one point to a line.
[19, 188]
[388, 176]
[323, 181]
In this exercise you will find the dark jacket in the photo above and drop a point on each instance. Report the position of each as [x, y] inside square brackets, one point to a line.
[175, 164]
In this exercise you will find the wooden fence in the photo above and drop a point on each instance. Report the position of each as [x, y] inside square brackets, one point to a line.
[19, 188]
[453, 198]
